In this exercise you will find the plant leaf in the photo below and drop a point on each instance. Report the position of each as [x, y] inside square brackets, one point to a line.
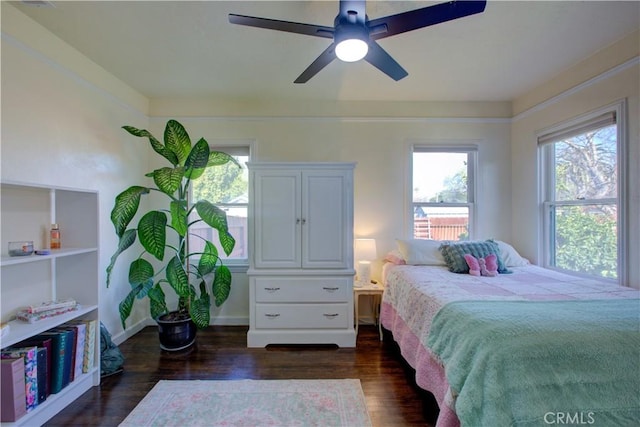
[125, 207]
[146, 287]
[140, 271]
[168, 180]
[155, 144]
[126, 305]
[192, 292]
[127, 239]
[227, 241]
[152, 233]
[218, 158]
[177, 277]
[176, 139]
[216, 218]
[200, 309]
[208, 259]
[157, 304]
[197, 161]
[178, 211]
[221, 286]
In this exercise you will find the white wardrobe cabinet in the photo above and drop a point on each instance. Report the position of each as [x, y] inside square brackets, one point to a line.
[301, 241]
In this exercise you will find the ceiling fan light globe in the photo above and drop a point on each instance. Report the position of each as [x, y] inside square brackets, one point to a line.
[351, 50]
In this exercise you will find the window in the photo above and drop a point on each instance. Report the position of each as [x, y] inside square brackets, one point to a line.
[443, 192]
[227, 187]
[581, 178]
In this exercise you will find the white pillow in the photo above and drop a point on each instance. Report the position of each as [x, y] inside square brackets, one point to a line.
[421, 251]
[510, 255]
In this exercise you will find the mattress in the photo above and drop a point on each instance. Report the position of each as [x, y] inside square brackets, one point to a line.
[414, 295]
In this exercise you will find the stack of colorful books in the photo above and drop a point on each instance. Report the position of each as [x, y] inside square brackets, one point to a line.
[44, 364]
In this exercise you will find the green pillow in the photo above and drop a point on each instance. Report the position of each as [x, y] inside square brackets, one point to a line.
[453, 254]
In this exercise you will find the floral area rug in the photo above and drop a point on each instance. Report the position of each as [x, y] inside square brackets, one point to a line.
[244, 403]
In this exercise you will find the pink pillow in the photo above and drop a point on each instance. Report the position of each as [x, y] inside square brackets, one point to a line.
[474, 265]
[491, 263]
[487, 266]
[395, 258]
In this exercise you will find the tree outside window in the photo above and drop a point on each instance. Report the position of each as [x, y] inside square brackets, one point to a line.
[442, 196]
[228, 187]
[581, 206]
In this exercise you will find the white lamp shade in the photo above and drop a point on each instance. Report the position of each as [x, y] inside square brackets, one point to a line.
[365, 250]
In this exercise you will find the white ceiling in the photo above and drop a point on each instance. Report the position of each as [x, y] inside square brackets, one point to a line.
[185, 48]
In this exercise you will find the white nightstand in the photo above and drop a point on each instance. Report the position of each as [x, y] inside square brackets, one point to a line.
[368, 289]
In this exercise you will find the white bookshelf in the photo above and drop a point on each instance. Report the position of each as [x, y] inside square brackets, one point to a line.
[27, 211]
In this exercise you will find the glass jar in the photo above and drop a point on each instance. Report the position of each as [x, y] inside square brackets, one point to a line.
[55, 237]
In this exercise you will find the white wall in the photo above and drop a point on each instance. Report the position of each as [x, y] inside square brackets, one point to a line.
[381, 149]
[61, 118]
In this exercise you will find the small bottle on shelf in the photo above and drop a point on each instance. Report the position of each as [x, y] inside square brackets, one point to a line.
[55, 236]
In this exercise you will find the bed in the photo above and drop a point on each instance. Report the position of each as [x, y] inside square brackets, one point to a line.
[528, 348]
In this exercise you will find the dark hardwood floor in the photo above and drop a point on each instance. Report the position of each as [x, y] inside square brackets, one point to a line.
[221, 354]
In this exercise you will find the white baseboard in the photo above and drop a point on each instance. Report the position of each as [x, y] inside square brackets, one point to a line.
[230, 321]
[131, 331]
[366, 320]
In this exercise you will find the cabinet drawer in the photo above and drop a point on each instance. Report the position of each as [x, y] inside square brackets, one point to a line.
[302, 316]
[303, 289]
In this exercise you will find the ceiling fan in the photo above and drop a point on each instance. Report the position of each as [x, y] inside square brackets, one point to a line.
[354, 35]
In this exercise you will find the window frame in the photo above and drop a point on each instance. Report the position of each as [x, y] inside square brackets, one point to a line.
[234, 264]
[546, 139]
[472, 189]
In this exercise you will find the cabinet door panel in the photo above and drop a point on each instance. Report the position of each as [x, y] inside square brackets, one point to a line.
[326, 220]
[278, 219]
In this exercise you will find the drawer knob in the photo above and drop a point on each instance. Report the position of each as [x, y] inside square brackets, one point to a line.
[272, 315]
[330, 289]
[331, 315]
[271, 289]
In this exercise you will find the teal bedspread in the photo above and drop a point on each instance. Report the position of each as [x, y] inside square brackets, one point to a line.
[519, 363]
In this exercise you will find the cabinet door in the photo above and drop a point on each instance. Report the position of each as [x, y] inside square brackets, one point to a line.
[277, 218]
[326, 223]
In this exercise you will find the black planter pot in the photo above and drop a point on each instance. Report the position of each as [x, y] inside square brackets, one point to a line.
[176, 335]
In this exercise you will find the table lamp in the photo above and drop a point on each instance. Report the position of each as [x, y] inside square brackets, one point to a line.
[365, 252]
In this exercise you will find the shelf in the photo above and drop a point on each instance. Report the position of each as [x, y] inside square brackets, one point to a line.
[19, 330]
[56, 253]
[28, 210]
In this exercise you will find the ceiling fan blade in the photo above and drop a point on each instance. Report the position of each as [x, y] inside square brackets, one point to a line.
[380, 59]
[424, 17]
[274, 24]
[321, 61]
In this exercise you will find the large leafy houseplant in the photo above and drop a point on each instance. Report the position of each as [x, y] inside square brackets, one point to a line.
[168, 230]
